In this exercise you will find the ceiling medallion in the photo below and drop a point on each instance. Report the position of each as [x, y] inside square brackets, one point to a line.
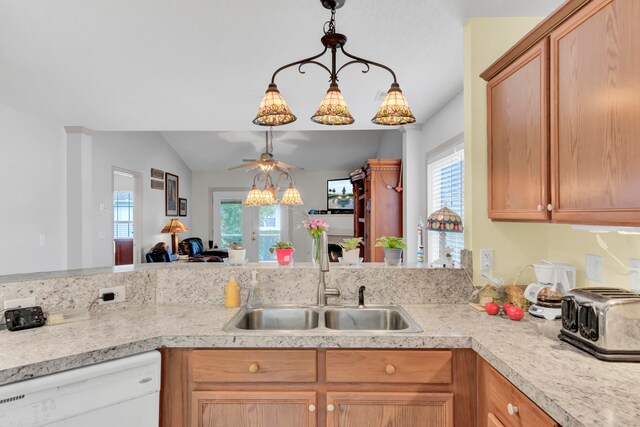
[333, 109]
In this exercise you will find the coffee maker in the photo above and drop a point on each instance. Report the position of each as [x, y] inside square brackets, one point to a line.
[553, 280]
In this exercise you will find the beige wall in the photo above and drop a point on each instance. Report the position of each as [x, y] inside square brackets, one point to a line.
[517, 244]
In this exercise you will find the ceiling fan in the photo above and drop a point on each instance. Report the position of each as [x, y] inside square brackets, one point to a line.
[266, 162]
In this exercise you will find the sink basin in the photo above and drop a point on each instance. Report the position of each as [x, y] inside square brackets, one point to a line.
[366, 319]
[278, 318]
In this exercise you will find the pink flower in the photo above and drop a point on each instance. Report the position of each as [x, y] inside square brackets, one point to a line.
[313, 226]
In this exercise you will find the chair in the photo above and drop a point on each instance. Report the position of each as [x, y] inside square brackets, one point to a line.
[194, 247]
[335, 252]
[158, 253]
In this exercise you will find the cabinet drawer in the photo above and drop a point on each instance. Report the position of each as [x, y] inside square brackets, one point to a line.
[501, 393]
[424, 367]
[275, 366]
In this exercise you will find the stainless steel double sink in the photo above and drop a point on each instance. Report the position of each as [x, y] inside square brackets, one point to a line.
[388, 318]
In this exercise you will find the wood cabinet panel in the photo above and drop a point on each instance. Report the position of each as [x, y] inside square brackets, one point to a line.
[253, 409]
[493, 421]
[379, 366]
[595, 114]
[356, 409]
[276, 366]
[518, 143]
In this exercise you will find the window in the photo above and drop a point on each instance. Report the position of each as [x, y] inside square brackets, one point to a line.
[123, 215]
[445, 184]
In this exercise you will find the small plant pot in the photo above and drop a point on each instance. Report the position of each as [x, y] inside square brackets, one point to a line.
[393, 257]
[236, 256]
[285, 256]
[351, 257]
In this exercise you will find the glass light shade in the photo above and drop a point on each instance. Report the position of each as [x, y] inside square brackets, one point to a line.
[291, 196]
[333, 109]
[394, 109]
[444, 220]
[254, 198]
[174, 226]
[268, 198]
[273, 110]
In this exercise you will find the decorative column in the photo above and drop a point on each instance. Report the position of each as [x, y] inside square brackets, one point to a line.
[414, 189]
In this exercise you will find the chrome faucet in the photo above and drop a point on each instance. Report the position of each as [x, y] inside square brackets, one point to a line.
[323, 291]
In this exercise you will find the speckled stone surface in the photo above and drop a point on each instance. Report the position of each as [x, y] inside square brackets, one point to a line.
[573, 387]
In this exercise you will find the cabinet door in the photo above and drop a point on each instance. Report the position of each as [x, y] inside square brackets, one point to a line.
[493, 421]
[518, 154]
[253, 409]
[356, 409]
[595, 115]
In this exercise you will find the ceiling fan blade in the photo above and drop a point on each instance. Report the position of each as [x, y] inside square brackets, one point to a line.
[246, 165]
[288, 166]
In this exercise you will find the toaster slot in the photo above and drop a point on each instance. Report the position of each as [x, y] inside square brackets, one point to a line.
[570, 314]
[588, 322]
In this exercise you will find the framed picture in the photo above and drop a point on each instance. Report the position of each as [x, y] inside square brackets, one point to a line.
[157, 173]
[157, 185]
[170, 194]
[183, 207]
[340, 196]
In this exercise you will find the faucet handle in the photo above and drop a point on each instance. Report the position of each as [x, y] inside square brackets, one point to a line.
[361, 290]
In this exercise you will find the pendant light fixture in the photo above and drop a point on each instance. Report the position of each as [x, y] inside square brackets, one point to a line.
[333, 109]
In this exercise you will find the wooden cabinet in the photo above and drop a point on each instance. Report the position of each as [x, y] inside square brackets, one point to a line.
[378, 206]
[500, 403]
[563, 131]
[517, 108]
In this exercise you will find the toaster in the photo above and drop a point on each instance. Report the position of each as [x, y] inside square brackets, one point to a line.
[604, 322]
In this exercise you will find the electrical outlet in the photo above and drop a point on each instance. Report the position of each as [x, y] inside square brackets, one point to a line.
[635, 275]
[20, 302]
[119, 291]
[486, 259]
[593, 267]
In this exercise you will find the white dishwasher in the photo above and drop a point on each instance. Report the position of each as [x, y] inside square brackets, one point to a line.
[122, 392]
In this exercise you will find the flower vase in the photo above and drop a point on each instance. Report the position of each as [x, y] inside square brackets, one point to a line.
[315, 250]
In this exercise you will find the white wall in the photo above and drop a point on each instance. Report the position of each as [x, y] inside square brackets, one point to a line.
[390, 145]
[312, 186]
[33, 173]
[135, 152]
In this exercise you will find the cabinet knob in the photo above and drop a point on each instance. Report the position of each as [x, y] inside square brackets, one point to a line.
[540, 208]
[390, 369]
[330, 407]
[549, 207]
[512, 410]
[254, 367]
[312, 408]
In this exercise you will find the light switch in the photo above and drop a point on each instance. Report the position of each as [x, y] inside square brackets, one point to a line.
[593, 267]
[43, 240]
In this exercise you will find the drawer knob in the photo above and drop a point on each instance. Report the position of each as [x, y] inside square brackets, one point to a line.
[540, 208]
[512, 410]
[330, 407]
[390, 369]
[312, 408]
[549, 207]
[254, 367]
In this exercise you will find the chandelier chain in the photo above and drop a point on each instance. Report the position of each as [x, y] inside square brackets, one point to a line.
[330, 25]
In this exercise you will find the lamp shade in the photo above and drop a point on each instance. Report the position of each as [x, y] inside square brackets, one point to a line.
[333, 109]
[174, 226]
[268, 198]
[254, 198]
[273, 110]
[445, 220]
[291, 196]
[394, 109]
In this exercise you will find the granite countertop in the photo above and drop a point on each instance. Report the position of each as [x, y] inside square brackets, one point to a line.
[573, 387]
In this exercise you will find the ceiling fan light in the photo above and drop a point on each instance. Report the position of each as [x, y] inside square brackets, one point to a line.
[291, 196]
[273, 110]
[333, 110]
[394, 109]
[254, 198]
[268, 198]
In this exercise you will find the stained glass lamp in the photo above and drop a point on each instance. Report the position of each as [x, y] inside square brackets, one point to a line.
[174, 226]
[394, 109]
[445, 221]
[291, 196]
[273, 110]
[333, 109]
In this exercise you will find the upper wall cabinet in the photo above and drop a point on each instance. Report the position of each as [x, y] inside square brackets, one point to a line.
[590, 113]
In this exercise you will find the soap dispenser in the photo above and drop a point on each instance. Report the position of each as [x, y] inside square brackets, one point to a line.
[232, 293]
[255, 292]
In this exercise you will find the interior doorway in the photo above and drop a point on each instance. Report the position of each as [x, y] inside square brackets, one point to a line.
[257, 228]
[126, 216]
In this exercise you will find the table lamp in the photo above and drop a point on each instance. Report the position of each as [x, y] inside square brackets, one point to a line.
[174, 226]
[445, 221]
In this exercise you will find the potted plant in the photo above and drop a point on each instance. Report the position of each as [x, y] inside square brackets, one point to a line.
[393, 247]
[284, 252]
[351, 250]
[237, 253]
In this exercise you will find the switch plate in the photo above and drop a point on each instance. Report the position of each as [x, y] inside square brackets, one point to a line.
[43, 240]
[593, 267]
[20, 302]
[118, 290]
[635, 276]
[486, 259]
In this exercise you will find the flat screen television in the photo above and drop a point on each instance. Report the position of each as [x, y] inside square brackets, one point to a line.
[340, 196]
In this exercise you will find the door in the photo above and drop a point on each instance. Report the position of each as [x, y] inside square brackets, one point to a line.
[257, 228]
[595, 115]
[398, 409]
[253, 408]
[493, 421]
[126, 216]
[518, 143]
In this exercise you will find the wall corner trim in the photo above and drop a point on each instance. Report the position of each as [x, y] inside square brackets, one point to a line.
[78, 129]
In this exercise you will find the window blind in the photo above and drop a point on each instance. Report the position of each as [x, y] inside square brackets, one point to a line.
[122, 215]
[445, 186]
